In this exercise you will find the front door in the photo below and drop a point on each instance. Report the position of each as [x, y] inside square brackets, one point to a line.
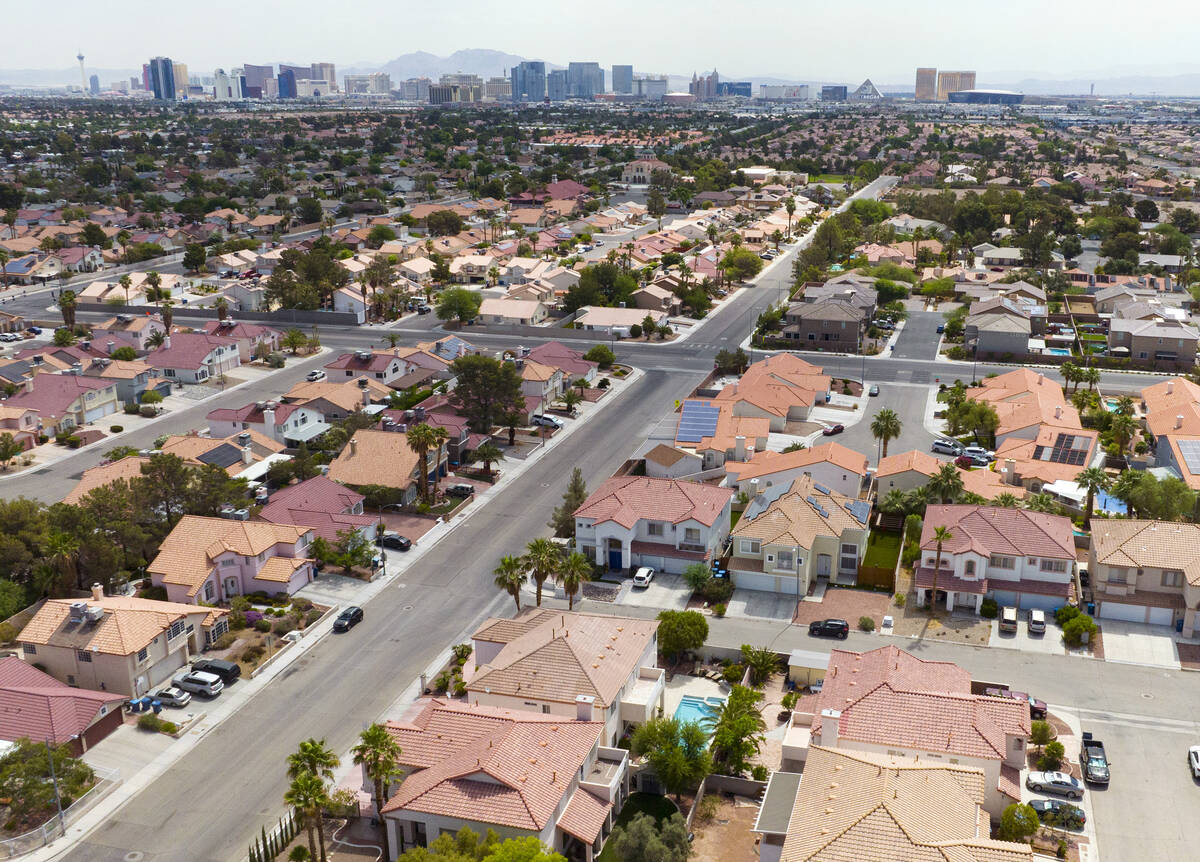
[614, 559]
[824, 565]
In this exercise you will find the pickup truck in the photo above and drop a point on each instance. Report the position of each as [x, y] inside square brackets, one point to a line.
[1093, 760]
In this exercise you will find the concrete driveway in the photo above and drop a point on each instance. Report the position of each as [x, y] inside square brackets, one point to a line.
[1137, 643]
[668, 592]
[1049, 643]
[756, 603]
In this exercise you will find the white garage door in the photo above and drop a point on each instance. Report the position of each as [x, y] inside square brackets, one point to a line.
[656, 563]
[1045, 603]
[764, 583]
[1118, 611]
[94, 414]
[1161, 617]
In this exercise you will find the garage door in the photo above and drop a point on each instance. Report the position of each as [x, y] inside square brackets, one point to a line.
[764, 583]
[656, 563]
[163, 670]
[1044, 603]
[1004, 598]
[1161, 617]
[1118, 611]
[95, 414]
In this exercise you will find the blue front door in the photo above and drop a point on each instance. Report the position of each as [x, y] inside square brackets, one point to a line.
[614, 559]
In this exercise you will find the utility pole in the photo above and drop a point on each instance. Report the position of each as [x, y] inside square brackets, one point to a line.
[62, 826]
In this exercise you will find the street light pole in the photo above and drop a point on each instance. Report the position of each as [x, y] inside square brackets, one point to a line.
[62, 826]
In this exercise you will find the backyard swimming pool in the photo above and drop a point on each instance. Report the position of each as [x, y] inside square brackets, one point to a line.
[1058, 351]
[692, 708]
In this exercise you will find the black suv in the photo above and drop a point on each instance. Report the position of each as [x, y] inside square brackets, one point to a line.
[226, 670]
[829, 629]
[348, 619]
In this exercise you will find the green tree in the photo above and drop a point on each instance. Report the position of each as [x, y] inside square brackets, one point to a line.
[309, 210]
[1040, 733]
[309, 796]
[946, 484]
[124, 354]
[25, 779]
[9, 449]
[421, 439]
[563, 518]
[66, 305]
[1095, 480]
[510, 577]
[444, 223]
[1005, 500]
[486, 391]
[352, 549]
[93, 235]
[697, 576]
[575, 570]
[740, 264]
[738, 730]
[643, 839]
[680, 631]
[1018, 822]
[601, 355]
[313, 757]
[761, 661]
[194, 257]
[379, 754]
[487, 454]
[885, 427]
[571, 399]
[676, 751]
[293, 340]
[458, 303]
[543, 559]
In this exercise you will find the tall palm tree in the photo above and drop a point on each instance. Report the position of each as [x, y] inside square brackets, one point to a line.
[487, 454]
[542, 557]
[4, 258]
[789, 204]
[940, 536]
[222, 307]
[510, 576]
[1005, 501]
[379, 755]
[1123, 429]
[1124, 406]
[946, 484]
[126, 282]
[62, 552]
[66, 304]
[1091, 376]
[1094, 479]
[421, 439]
[314, 757]
[308, 795]
[1127, 486]
[575, 569]
[156, 339]
[885, 427]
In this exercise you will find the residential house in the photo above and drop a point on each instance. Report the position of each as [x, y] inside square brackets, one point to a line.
[999, 327]
[909, 471]
[541, 777]
[385, 458]
[195, 357]
[570, 362]
[35, 705]
[339, 399]
[251, 337]
[830, 324]
[544, 383]
[1017, 557]
[864, 696]
[290, 424]
[214, 559]
[793, 534]
[632, 521]
[638, 171]
[1011, 256]
[714, 433]
[102, 475]
[1154, 340]
[512, 312]
[669, 462]
[322, 504]
[615, 321]
[1146, 572]
[545, 661]
[471, 268]
[1172, 415]
[383, 366]
[1054, 455]
[419, 269]
[1024, 401]
[132, 377]
[66, 401]
[655, 298]
[782, 388]
[244, 453]
[119, 644]
[21, 422]
[829, 464]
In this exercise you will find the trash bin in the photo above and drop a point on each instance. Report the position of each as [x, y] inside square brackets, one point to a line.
[1091, 609]
[156, 705]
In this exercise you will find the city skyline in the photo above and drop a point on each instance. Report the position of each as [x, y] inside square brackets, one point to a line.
[888, 52]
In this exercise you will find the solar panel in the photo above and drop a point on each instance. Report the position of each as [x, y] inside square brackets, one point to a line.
[697, 421]
[861, 510]
[1190, 449]
[821, 489]
[224, 455]
[1068, 449]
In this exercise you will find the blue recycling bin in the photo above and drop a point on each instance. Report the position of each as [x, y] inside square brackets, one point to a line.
[156, 705]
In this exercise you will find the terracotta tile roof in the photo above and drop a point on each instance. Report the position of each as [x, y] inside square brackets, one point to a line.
[36, 705]
[376, 458]
[902, 462]
[665, 455]
[127, 468]
[186, 555]
[128, 625]
[1148, 544]
[854, 806]
[1032, 455]
[566, 655]
[488, 765]
[584, 816]
[629, 499]
[53, 394]
[793, 520]
[1023, 398]
[188, 350]
[756, 430]
[192, 448]
[989, 530]
[768, 462]
[280, 569]
[318, 494]
[347, 395]
[778, 383]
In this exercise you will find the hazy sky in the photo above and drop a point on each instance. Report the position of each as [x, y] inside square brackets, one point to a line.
[798, 39]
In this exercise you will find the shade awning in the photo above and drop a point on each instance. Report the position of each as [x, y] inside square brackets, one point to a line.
[308, 432]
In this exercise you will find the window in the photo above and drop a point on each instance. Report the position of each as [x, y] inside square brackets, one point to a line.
[545, 707]
[230, 562]
[143, 653]
[175, 630]
[1117, 576]
[654, 528]
[786, 560]
[751, 546]
[29, 649]
[1054, 565]
[969, 569]
[83, 655]
[209, 591]
[1002, 563]
[849, 559]
[1172, 579]
[691, 535]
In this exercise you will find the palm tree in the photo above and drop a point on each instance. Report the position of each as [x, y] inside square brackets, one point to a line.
[542, 558]
[62, 552]
[946, 484]
[222, 307]
[4, 258]
[894, 502]
[1070, 373]
[1127, 486]
[1005, 501]
[440, 436]
[1094, 479]
[126, 282]
[1124, 406]
[510, 576]
[313, 757]
[1091, 376]
[940, 536]
[571, 399]
[379, 754]
[308, 795]
[789, 204]
[156, 339]
[421, 439]
[885, 427]
[1123, 429]
[66, 304]
[487, 454]
[575, 569]
[1042, 503]
[362, 288]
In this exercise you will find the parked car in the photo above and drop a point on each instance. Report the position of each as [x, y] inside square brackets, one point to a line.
[1059, 813]
[941, 328]
[316, 374]
[643, 576]
[226, 670]
[461, 489]
[424, 309]
[348, 619]
[172, 696]
[545, 421]
[873, 391]
[833, 429]
[395, 541]
[947, 447]
[1084, 578]
[1055, 782]
[1037, 708]
[1194, 761]
[1093, 760]
[1037, 621]
[198, 682]
[980, 452]
[1008, 619]
[36, 330]
[829, 629]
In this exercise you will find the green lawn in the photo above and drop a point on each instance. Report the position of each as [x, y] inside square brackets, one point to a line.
[734, 516]
[658, 807]
[826, 178]
[883, 549]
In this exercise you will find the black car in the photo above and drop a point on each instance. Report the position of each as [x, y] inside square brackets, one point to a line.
[226, 670]
[1058, 812]
[424, 309]
[462, 489]
[348, 619]
[829, 629]
[395, 541]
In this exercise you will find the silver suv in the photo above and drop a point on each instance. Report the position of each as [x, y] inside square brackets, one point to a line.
[947, 447]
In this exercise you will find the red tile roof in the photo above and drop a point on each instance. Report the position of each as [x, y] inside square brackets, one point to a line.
[988, 530]
[628, 499]
[53, 393]
[251, 414]
[36, 705]
[558, 355]
[188, 350]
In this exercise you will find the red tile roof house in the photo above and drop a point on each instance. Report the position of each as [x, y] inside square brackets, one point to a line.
[66, 401]
[382, 365]
[127, 329]
[249, 336]
[515, 772]
[1019, 558]
[320, 503]
[668, 524]
[194, 357]
[570, 362]
[36, 706]
[891, 702]
[284, 423]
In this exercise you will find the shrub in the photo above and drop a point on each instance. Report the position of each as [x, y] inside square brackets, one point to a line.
[899, 599]
[131, 409]
[149, 721]
[148, 411]
[251, 654]
[603, 384]
[276, 360]
[635, 331]
[1040, 733]
[226, 640]
[759, 773]
[719, 609]
[460, 686]
[1076, 627]
[252, 617]
[697, 575]
[988, 609]
[311, 616]
[733, 674]
[74, 441]
[8, 633]
[239, 603]
[1052, 757]
[789, 700]
[116, 429]
[237, 621]
[718, 590]
[168, 726]
[301, 604]
[283, 626]
[262, 626]
[911, 553]
[1066, 613]
[152, 396]
[866, 624]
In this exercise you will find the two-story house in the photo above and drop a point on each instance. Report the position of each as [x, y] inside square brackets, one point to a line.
[570, 362]
[339, 399]
[215, 559]
[793, 534]
[21, 423]
[516, 773]
[1019, 558]
[783, 388]
[118, 643]
[66, 401]
[1154, 341]
[713, 433]
[830, 464]
[384, 366]
[1146, 572]
[385, 458]
[132, 378]
[285, 423]
[545, 661]
[831, 325]
[667, 524]
[638, 171]
[326, 506]
[251, 337]
[128, 329]
[542, 382]
[195, 357]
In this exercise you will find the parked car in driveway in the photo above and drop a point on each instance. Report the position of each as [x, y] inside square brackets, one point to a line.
[395, 541]
[1008, 619]
[1055, 782]
[545, 421]
[947, 447]
[172, 696]
[829, 629]
[226, 670]
[461, 489]
[980, 452]
[1037, 621]
[643, 576]
[1059, 813]
[199, 682]
[833, 429]
[1037, 708]
[348, 619]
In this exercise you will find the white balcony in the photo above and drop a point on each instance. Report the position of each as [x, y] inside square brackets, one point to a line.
[642, 700]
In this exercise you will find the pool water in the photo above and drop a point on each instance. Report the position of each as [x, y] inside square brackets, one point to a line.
[1058, 351]
[1106, 503]
[697, 709]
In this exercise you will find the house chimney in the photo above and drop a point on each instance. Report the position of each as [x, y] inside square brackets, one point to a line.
[1041, 377]
[1179, 421]
[366, 393]
[829, 727]
[1058, 412]
[583, 707]
[110, 345]
[167, 342]
[754, 489]
[269, 417]
[1170, 386]
[353, 447]
[97, 592]
[247, 455]
[739, 448]
[1010, 470]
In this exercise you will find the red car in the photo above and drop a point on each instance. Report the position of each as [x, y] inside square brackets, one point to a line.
[833, 429]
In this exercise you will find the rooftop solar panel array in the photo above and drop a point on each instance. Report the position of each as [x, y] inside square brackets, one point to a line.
[1068, 449]
[697, 421]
